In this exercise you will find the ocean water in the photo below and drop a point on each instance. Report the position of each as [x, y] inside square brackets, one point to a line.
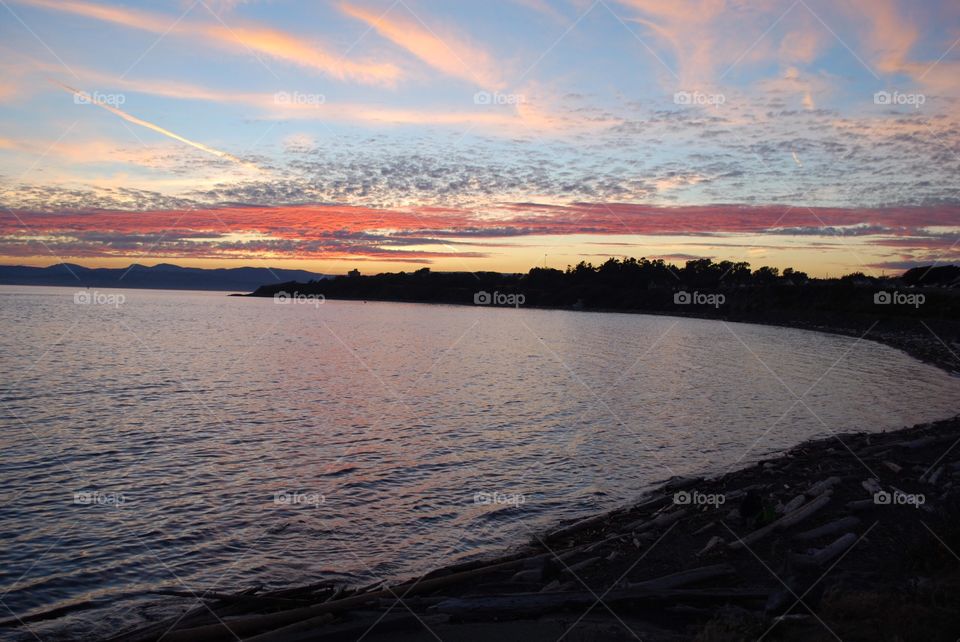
[193, 441]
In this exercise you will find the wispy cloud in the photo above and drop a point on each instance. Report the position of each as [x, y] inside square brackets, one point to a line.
[88, 99]
[240, 37]
[448, 52]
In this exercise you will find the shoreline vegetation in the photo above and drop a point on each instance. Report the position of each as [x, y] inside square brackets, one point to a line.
[853, 536]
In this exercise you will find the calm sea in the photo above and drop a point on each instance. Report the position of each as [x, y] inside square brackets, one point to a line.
[193, 441]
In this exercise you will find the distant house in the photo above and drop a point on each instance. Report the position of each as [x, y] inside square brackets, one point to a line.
[353, 272]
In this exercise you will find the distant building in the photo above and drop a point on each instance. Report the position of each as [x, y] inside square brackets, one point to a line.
[353, 272]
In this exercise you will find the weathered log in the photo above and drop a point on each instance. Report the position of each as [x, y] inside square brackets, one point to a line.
[714, 542]
[520, 604]
[579, 526]
[842, 524]
[819, 557]
[684, 578]
[892, 466]
[527, 575]
[794, 504]
[592, 547]
[933, 476]
[581, 565]
[243, 626]
[822, 485]
[705, 528]
[861, 504]
[787, 520]
[660, 521]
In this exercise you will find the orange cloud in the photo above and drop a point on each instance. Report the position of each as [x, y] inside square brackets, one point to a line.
[450, 54]
[891, 34]
[243, 38]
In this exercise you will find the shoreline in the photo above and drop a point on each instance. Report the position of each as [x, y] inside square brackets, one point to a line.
[718, 558]
[571, 544]
[720, 573]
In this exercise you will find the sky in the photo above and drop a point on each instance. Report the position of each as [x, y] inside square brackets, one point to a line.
[498, 135]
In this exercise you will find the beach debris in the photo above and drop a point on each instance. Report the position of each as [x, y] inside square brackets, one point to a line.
[531, 575]
[573, 569]
[660, 521]
[861, 504]
[705, 528]
[531, 582]
[684, 578]
[787, 520]
[822, 485]
[533, 604]
[714, 542]
[819, 557]
[793, 504]
[842, 524]
[892, 466]
[576, 527]
[932, 477]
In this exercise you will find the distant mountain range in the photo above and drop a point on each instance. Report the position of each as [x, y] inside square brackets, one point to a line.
[162, 277]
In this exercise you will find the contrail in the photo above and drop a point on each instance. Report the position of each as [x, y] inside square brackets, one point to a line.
[156, 128]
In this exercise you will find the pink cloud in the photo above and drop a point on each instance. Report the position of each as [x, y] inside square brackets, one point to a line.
[325, 231]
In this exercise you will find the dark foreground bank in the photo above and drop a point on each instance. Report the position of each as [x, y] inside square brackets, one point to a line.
[851, 537]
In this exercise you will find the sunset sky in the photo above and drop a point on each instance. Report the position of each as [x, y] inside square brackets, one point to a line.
[467, 135]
